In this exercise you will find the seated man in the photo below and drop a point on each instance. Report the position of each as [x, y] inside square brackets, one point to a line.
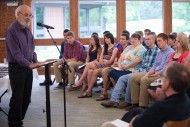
[74, 55]
[140, 81]
[176, 105]
[48, 79]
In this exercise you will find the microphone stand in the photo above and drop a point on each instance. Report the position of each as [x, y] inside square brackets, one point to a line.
[63, 77]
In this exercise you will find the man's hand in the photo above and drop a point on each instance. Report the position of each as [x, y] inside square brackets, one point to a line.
[34, 65]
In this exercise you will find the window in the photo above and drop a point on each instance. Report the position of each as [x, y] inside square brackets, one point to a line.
[47, 52]
[52, 13]
[97, 16]
[141, 15]
[180, 17]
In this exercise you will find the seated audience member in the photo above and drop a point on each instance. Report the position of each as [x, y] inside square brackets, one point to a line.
[127, 32]
[93, 54]
[171, 40]
[73, 55]
[174, 107]
[174, 33]
[140, 81]
[105, 32]
[181, 48]
[94, 33]
[180, 54]
[147, 32]
[123, 82]
[143, 41]
[92, 69]
[48, 80]
[124, 42]
[130, 58]
[56, 64]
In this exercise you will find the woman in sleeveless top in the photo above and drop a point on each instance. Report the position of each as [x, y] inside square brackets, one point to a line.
[93, 54]
[107, 57]
[180, 55]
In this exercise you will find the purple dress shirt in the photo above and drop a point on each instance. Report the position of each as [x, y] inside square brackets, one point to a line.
[20, 45]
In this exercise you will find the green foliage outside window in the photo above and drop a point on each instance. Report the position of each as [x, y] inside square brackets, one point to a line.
[143, 10]
[181, 17]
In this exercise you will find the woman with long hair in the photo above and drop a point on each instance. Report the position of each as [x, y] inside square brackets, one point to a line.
[92, 55]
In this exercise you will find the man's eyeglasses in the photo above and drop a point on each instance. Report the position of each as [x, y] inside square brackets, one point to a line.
[26, 15]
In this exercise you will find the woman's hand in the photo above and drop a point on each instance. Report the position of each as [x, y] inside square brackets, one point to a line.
[122, 67]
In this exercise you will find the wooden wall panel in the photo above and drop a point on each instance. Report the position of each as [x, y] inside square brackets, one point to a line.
[167, 16]
[74, 18]
[121, 17]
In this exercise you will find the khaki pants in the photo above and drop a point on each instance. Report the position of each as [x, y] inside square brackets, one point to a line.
[71, 75]
[139, 92]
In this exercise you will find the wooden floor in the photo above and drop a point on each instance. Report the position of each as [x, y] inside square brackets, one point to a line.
[84, 112]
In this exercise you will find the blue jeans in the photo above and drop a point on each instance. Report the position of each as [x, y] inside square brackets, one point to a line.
[122, 83]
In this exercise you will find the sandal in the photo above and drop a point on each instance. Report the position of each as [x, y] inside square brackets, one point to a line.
[85, 95]
[84, 88]
[74, 87]
[102, 97]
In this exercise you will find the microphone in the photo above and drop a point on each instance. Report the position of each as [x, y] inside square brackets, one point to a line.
[46, 26]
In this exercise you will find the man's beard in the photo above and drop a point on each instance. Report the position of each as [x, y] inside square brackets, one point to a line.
[25, 24]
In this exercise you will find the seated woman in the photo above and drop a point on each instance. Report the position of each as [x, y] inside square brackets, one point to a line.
[130, 58]
[180, 56]
[124, 39]
[93, 54]
[107, 57]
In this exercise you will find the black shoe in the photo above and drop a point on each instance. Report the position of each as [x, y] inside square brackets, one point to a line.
[110, 104]
[132, 107]
[46, 82]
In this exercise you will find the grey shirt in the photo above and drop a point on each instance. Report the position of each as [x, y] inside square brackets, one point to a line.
[20, 45]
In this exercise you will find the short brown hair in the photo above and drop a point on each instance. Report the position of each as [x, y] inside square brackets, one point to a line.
[126, 36]
[70, 33]
[178, 76]
[140, 33]
[163, 36]
[135, 35]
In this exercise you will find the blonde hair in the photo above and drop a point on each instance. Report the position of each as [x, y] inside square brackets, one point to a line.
[183, 40]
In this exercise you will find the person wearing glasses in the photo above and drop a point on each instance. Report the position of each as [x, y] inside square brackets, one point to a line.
[173, 110]
[22, 59]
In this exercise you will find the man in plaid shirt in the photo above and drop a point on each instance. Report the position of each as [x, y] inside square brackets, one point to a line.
[73, 55]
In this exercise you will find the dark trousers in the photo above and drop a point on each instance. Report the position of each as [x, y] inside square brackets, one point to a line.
[131, 114]
[21, 84]
[115, 74]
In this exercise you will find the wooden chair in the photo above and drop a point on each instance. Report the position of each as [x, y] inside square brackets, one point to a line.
[184, 123]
